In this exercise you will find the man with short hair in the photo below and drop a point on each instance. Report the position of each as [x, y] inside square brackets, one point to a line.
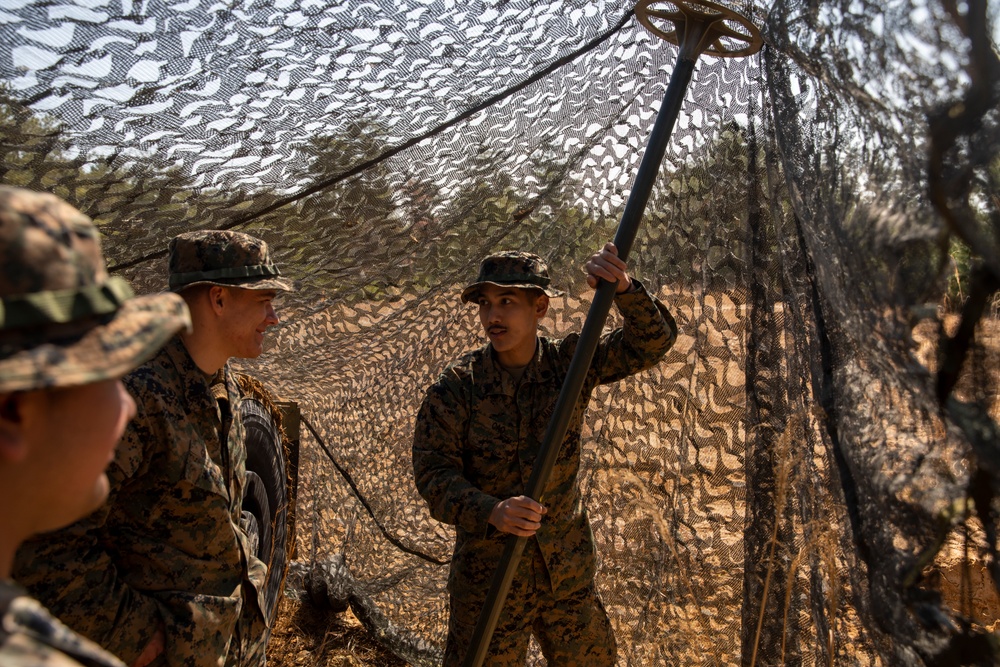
[170, 576]
[68, 332]
[478, 435]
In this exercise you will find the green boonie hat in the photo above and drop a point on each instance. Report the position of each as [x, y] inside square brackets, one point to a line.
[511, 268]
[226, 258]
[63, 320]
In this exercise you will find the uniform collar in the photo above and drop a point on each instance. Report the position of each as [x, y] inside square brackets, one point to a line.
[179, 356]
[498, 381]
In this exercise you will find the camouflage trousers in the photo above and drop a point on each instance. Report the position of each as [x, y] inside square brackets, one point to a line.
[247, 648]
[571, 630]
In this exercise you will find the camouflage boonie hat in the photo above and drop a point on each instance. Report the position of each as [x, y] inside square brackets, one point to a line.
[63, 320]
[511, 268]
[218, 257]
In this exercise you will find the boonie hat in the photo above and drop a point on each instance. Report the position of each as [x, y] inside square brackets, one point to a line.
[221, 257]
[511, 268]
[63, 320]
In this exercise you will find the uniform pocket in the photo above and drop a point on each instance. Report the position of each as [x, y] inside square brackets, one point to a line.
[203, 467]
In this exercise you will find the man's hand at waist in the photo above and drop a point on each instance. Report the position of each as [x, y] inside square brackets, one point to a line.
[519, 516]
[153, 649]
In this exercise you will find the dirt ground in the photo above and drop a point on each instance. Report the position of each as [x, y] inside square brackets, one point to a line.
[959, 572]
[966, 586]
[307, 636]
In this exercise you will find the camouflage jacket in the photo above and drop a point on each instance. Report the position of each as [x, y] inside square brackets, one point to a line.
[479, 432]
[31, 637]
[167, 547]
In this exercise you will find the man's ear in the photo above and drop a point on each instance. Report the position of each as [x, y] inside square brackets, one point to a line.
[13, 447]
[541, 305]
[217, 297]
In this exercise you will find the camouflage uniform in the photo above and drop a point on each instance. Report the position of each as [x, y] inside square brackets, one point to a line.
[31, 637]
[168, 548]
[477, 436]
[63, 323]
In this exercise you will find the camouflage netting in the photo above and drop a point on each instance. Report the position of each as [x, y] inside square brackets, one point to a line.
[780, 488]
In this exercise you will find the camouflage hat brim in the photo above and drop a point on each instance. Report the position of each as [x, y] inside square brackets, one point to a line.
[275, 283]
[139, 328]
[470, 293]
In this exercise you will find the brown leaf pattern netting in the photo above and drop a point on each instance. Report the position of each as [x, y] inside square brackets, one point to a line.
[787, 485]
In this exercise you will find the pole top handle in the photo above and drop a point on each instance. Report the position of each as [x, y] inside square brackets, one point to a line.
[700, 27]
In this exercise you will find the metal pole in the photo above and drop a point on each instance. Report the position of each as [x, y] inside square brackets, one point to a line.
[700, 31]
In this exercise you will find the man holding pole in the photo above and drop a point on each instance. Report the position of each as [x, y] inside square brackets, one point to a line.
[477, 437]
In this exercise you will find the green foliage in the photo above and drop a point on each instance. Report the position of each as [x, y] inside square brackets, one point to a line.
[348, 238]
[135, 202]
[960, 270]
[384, 227]
[695, 229]
[387, 227]
[34, 152]
[986, 201]
[365, 197]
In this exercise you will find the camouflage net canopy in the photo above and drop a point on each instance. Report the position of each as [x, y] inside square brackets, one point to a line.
[787, 485]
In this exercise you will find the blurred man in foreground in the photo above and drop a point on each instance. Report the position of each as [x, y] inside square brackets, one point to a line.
[68, 332]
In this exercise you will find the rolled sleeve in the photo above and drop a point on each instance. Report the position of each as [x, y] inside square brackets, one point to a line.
[648, 332]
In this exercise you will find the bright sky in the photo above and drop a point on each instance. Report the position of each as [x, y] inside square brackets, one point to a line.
[994, 11]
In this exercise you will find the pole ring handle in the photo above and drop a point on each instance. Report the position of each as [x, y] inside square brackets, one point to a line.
[715, 30]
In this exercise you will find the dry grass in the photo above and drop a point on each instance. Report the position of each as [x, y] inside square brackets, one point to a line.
[305, 635]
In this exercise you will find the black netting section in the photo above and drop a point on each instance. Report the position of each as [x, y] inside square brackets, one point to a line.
[818, 452]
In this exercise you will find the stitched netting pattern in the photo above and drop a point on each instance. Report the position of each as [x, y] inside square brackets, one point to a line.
[792, 483]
